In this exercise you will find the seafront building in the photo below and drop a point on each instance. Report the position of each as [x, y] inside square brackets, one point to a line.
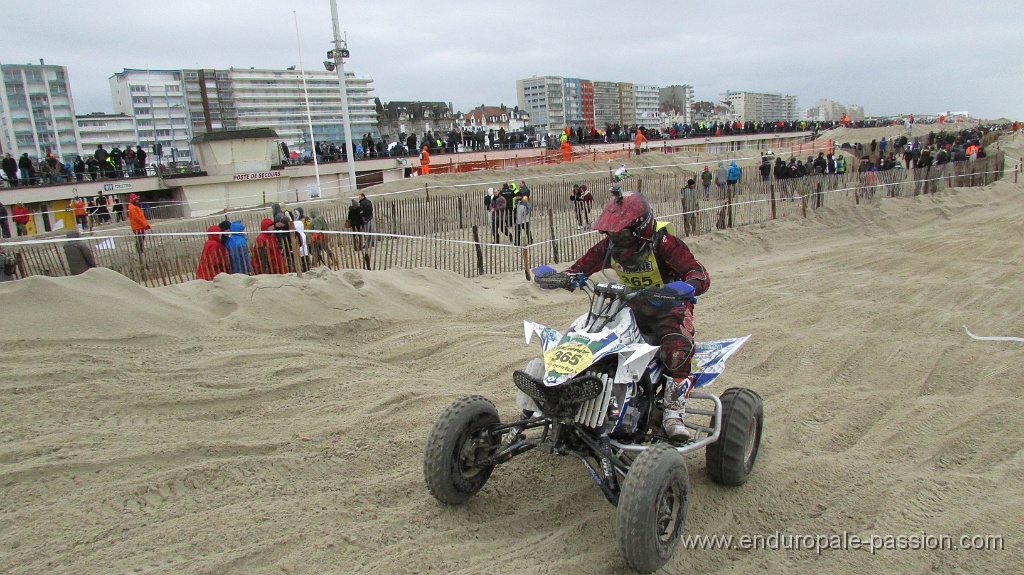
[554, 102]
[108, 130]
[170, 107]
[37, 111]
[760, 107]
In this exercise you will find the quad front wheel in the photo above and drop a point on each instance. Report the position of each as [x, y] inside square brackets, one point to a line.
[652, 508]
[731, 458]
[459, 440]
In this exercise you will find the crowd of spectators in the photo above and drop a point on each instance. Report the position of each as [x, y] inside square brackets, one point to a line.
[51, 170]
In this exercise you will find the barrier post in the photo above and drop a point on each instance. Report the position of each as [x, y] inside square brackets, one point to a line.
[773, 201]
[554, 241]
[479, 251]
[526, 262]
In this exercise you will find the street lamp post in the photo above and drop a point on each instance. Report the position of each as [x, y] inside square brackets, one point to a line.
[339, 54]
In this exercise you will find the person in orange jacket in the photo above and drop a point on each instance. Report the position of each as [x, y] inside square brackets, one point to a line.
[424, 161]
[566, 151]
[639, 141]
[137, 220]
[266, 253]
[214, 258]
[78, 206]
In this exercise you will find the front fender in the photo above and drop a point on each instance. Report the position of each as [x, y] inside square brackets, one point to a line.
[633, 361]
[547, 335]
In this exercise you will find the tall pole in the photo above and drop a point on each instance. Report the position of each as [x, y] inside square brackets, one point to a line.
[309, 116]
[339, 60]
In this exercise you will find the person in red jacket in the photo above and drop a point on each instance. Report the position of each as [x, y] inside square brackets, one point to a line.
[214, 259]
[21, 215]
[266, 254]
[642, 253]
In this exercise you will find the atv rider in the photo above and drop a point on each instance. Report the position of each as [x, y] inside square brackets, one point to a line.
[643, 254]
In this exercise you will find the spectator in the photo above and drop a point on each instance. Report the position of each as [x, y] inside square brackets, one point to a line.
[733, 175]
[225, 227]
[424, 161]
[299, 225]
[21, 216]
[267, 256]
[237, 249]
[367, 208]
[102, 212]
[10, 168]
[5, 230]
[355, 222]
[79, 169]
[140, 160]
[139, 223]
[524, 207]
[93, 167]
[78, 208]
[118, 209]
[721, 178]
[319, 249]
[690, 207]
[706, 177]
[639, 141]
[566, 151]
[8, 266]
[498, 219]
[80, 257]
[27, 170]
[214, 258]
[581, 199]
[283, 227]
[130, 164]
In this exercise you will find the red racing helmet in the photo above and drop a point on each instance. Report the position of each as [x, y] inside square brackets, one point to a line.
[626, 218]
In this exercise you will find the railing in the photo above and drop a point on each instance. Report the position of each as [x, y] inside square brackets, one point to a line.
[453, 231]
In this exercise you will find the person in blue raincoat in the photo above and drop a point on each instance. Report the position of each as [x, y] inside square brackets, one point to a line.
[238, 250]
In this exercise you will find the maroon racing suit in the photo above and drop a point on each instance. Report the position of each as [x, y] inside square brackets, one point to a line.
[671, 329]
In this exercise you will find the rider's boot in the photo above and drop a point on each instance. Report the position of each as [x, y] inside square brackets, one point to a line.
[676, 391]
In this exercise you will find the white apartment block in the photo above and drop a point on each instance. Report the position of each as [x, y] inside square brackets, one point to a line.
[155, 100]
[759, 107]
[543, 99]
[108, 130]
[170, 107]
[647, 105]
[37, 112]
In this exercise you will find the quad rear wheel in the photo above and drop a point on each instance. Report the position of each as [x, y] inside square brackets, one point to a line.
[732, 457]
[652, 508]
[459, 439]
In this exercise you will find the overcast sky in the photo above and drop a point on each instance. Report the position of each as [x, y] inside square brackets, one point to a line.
[920, 56]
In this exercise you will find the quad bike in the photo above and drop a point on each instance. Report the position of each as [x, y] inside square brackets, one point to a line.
[596, 395]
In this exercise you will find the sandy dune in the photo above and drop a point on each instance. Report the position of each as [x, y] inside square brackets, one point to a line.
[276, 425]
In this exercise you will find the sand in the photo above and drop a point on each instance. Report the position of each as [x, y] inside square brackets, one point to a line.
[276, 425]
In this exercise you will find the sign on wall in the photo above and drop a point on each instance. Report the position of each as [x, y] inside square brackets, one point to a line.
[257, 175]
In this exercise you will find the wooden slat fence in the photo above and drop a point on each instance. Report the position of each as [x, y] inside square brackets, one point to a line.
[453, 231]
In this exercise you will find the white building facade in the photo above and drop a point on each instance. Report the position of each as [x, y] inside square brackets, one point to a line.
[760, 107]
[108, 130]
[37, 111]
[170, 107]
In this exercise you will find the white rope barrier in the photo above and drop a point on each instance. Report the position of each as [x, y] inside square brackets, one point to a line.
[992, 338]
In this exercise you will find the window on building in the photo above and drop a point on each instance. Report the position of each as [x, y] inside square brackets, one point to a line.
[172, 88]
[33, 76]
[137, 89]
[140, 100]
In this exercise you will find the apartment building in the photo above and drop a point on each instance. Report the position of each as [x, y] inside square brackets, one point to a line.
[170, 107]
[37, 111]
[759, 107]
[108, 130]
[678, 101]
